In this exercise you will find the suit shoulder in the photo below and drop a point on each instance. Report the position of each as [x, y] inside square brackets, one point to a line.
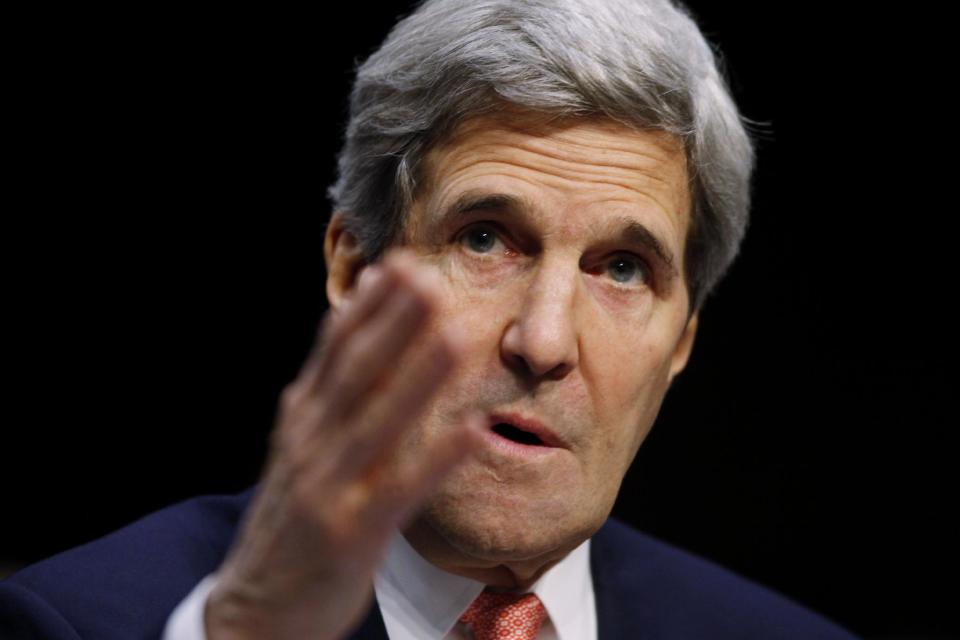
[128, 581]
[670, 592]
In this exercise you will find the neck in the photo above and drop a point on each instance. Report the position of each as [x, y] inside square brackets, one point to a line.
[505, 575]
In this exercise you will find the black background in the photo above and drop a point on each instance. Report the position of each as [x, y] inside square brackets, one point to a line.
[164, 263]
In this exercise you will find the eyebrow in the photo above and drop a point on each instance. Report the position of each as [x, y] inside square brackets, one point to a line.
[637, 233]
[476, 201]
[630, 230]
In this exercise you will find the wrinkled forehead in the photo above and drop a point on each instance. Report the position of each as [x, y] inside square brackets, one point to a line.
[642, 149]
[589, 157]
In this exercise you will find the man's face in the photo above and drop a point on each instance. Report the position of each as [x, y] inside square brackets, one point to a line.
[559, 250]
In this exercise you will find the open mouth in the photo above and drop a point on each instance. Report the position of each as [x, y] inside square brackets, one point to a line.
[523, 434]
[511, 432]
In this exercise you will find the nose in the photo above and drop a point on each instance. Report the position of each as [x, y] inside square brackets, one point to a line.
[541, 340]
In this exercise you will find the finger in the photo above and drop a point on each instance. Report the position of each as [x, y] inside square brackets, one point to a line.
[373, 288]
[372, 510]
[372, 353]
[399, 405]
[370, 434]
[366, 361]
[301, 403]
[377, 285]
[416, 480]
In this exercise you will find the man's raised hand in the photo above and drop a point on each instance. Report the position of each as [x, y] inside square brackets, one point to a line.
[333, 490]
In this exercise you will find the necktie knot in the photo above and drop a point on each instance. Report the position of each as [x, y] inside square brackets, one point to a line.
[505, 616]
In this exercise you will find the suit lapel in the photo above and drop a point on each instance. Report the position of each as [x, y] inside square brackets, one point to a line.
[372, 627]
[609, 622]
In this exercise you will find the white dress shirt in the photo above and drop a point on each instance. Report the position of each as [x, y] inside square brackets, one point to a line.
[419, 601]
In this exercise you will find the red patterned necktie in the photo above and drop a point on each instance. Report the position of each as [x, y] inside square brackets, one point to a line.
[505, 616]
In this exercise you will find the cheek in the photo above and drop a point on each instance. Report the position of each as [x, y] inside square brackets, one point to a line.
[476, 298]
[480, 278]
[629, 383]
[478, 316]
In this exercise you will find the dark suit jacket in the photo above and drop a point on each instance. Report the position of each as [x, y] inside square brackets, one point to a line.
[126, 584]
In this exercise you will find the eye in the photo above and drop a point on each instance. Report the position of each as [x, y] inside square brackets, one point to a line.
[480, 238]
[627, 269]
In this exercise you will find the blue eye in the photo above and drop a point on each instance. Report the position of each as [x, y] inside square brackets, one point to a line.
[480, 239]
[624, 269]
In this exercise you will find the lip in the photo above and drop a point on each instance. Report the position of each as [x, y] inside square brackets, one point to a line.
[529, 424]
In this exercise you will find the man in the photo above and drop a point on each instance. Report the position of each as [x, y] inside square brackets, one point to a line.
[534, 201]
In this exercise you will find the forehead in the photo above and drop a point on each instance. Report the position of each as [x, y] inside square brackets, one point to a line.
[560, 164]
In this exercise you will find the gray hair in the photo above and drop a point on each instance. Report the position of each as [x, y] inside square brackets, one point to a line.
[643, 63]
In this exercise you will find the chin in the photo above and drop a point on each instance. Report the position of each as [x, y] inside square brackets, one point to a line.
[497, 532]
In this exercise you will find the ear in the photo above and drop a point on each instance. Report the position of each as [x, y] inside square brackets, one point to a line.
[684, 346]
[344, 259]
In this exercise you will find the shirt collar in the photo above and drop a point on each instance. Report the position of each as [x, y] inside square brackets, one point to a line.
[420, 600]
[566, 591]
